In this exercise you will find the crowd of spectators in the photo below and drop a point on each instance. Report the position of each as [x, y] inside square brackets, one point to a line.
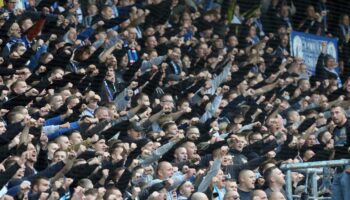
[169, 99]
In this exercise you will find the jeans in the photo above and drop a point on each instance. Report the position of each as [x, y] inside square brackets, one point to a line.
[326, 180]
[341, 186]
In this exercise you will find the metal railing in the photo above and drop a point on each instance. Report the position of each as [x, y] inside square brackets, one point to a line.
[312, 169]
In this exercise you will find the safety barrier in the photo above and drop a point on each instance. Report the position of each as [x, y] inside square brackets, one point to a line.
[312, 169]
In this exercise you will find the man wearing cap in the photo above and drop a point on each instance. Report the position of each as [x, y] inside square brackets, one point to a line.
[135, 131]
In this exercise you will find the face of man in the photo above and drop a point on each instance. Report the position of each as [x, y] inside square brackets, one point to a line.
[181, 154]
[278, 177]
[102, 114]
[304, 85]
[149, 146]
[185, 105]
[117, 154]
[311, 140]
[11, 5]
[220, 179]
[134, 134]
[186, 189]
[56, 102]
[284, 12]
[200, 51]
[31, 153]
[59, 156]
[132, 34]
[276, 196]
[274, 125]
[144, 100]
[76, 138]
[151, 42]
[20, 173]
[191, 149]
[63, 142]
[20, 87]
[284, 41]
[6, 92]
[100, 146]
[27, 24]
[226, 160]
[110, 75]
[65, 94]
[2, 128]
[232, 195]
[248, 180]
[116, 195]
[107, 13]
[90, 197]
[293, 116]
[172, 130]
[255, 138]
[165, 171]
[167, 101]
[308, 155]
[243, 86]
[331, 63]
[232, 41]
[176, 54]
[338, 116]
[261, 195]
[52, 148]
[42, 186]
[231, 186]
[238, 144]
[193, 134]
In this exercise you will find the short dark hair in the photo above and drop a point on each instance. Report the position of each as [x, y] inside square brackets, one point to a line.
[37, 180]
[268, 174]
[167, 125]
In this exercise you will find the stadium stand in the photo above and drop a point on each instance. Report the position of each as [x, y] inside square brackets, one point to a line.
[174, 99]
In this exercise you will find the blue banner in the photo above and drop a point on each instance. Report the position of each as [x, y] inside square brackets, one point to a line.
[308, 47]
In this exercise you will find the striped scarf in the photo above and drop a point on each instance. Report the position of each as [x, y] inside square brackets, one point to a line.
[132, 55]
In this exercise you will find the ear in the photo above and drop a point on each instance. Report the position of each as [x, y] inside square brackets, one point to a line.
[158, 172]
[113, 156]
[272, 179]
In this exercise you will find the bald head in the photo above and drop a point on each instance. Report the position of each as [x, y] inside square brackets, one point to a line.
[247, 180]
[276, 196]
[199, 196]
[165, 170]
[180, 154]
[231, 195]
[260, 194]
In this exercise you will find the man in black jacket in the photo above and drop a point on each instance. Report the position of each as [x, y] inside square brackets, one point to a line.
[341, 137]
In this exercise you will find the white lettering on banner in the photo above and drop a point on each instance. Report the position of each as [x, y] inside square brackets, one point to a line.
[308, 47]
